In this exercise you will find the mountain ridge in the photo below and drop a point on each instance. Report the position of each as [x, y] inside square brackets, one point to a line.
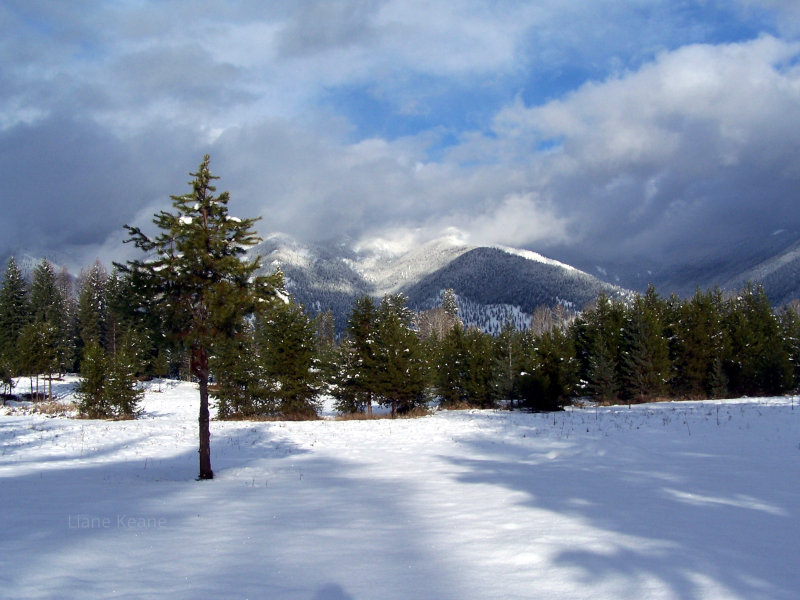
[492, 283]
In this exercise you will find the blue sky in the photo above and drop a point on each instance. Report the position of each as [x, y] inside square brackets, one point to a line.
[606, 131]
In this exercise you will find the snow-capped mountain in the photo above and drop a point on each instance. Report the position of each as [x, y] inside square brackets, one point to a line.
[492, 284]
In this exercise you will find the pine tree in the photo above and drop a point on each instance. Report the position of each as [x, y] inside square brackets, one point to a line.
[598, 342]
[346, 386]
[68, 355]
[91, 387]
[285, 340]
[466, 369]
[195, 281]
[46, 301]
[759, 360]
[108, 387]
[242, 388]
[645, 355]
[551, 373]
[450, 305]
[354, 384]
[451, 369]
[122, 390]
[14, 314]
[699, 344]
[121, 304]
[603, 380]
[92, 310]
[49, 306]
[399, 369]
[509, 356]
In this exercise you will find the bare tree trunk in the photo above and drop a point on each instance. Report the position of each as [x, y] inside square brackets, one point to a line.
[200, 370]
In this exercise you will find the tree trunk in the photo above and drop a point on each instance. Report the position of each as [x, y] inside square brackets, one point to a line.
[200, 370]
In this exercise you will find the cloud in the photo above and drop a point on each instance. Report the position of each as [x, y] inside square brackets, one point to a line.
[595, 127]
[691, 146]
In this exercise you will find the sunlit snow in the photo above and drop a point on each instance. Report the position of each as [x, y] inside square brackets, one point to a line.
[660, 501]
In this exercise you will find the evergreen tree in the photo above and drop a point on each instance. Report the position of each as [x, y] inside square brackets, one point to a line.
[551, 374]
[47, 303]
[68, 333]
[195, 282]
[598, 342]
[14, 313]
[241, 387]
[759, 360]
[350, 395]
[121, 304]
[451, 369]
[92, 310]
[449, 304]
[92, 401]
[645, 356]
[108, 387]
[49, 306]
[398, 367]
[286, 344]
[790, 332]
[509, 355]
[122, 389]
[603, 381]
[354, 382]
[699, 344]
[465, 369]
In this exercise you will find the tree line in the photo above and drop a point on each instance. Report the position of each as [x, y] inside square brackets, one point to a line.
[280, 359]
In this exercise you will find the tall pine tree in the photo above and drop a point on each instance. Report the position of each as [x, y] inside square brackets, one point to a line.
[194, 279]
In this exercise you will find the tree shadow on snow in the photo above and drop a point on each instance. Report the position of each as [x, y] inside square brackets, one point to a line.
[680, 514]
[277, 521]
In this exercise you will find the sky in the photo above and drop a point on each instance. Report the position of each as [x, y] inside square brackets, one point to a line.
[646, 131]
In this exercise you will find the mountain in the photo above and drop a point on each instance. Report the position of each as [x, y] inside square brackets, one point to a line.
[772, 261]
[779, 275]
[492, 284]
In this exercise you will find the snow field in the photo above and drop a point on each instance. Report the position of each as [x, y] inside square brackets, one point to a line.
[673, 500]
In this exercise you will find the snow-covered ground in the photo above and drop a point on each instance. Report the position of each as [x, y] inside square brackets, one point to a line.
[686, 500]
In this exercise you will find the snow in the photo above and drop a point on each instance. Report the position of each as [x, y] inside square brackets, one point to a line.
[659, 501]
[389, 268]
[535, 257]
